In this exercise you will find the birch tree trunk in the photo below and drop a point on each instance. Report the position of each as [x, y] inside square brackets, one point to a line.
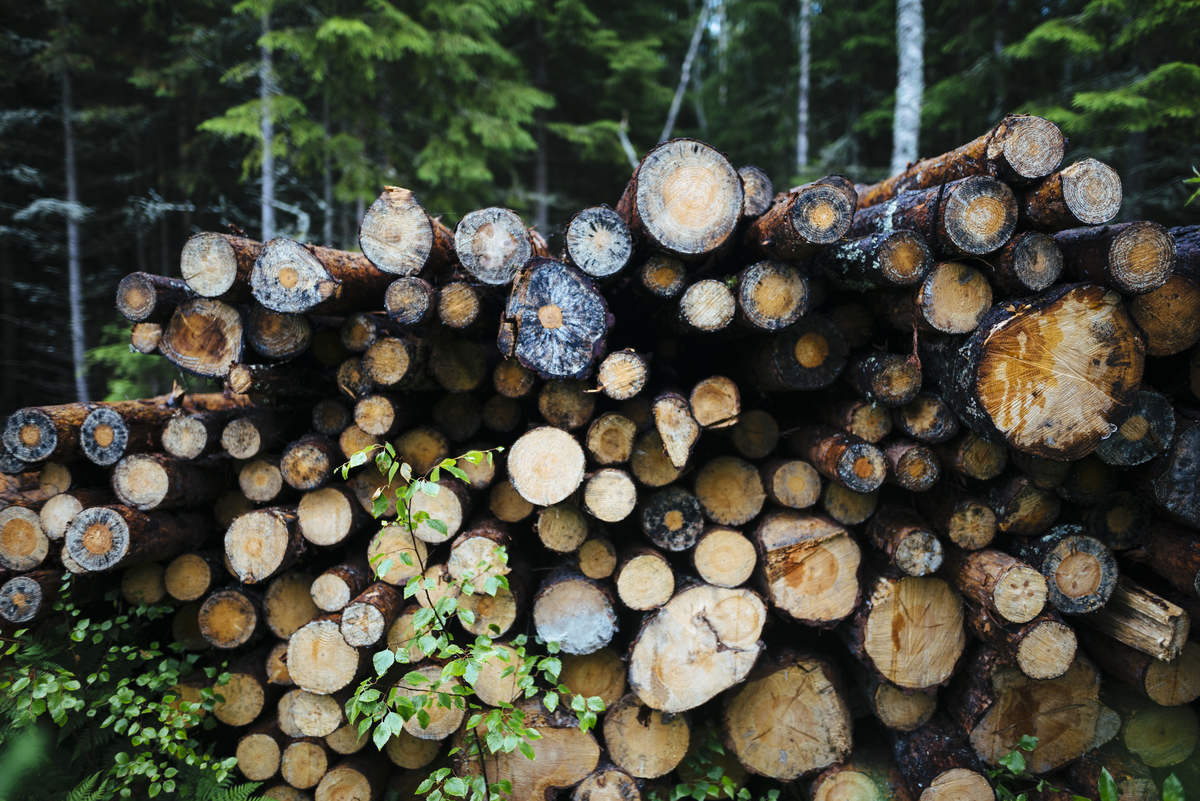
[802, 110]
[684, 75]
[910, 84]
[74, 281]
[541, 179]
[266, 93]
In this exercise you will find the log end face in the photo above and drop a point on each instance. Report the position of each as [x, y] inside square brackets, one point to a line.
[959, 784]
[97, 538]
[1092, 191]
[1047, 651]
[141, 481]
[1141, 257]
[29, 435]
[757, 191]
[920, 554]
[688, 197]
[576, 614]
[1033, 147]
[288, 278]
[208, 264]
[103, 437]
[396, 234]
[957, 297]
[904, 257]
[1176, 682]
[980, 215]
[228, 619]
[256, 545]
[1037, 260]
[492, 244]
[862, 467]
[598, 241]
[546, 465]
[20, 599]
[204, 337]
[1021, 595]
[319, 660]
[773, 295]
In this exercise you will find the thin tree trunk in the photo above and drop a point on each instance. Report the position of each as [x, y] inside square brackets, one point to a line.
[626, 145]
[684, 75]
[541, 185]
[722, 50]
[266, 94]
[75, 284]
[910, 84]
[998, 55]
[327, 177]
[802, 111]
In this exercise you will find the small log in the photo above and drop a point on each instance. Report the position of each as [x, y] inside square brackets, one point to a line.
[410, 752]
[143, 584]
[195, 435]
[1169, 316]
[914, 650]
[26, 598]
[1142, 620]
[597, 558]
[676, 426]
[273, 335]
[319, 660]
[847, 506]
[623, 374]
[644, 579]
[970, 216]
[400, 238]
[56, 513]
[423, 448]
[715, 402]
[304, 762]
[1042, 648]
[400, 363]
[106, 537]
[410, 301]
[442, 721]
[1086, 193]
[1029, 263]
[338, 585]
[259, 750]
[254, 433]
[461, 305]
[1119, 520]
[1022, 508]
[574, 611]
[1161, 736]
[246, 694]
[146, 337]
[546, 465]
[892, 707]
[1005, 587]
[361, 330]
[1088, 482]
[475, 553]
[788, 740]
[263, 543]
[219, 265]
[59, 477]
[451, 505]
[610, 495]
[1044, 473]
[24, 545]
[566, 404]
[562, 528]
[724, 557]
[230, 618]
[276, 665]
[791, 482]
[644, 742]
[951, 299]
[308, 463]
[191, 576]
[288, 603]
[705, 307]
[493, 243]
[757, 191]
[507, 504]
[367, 618]
[885, 378]
[808, 355]
[729, 490]
[501, 414]
[600, 674]
[598, 242]
[771, 295]
[842, 458]
[157, 481]
[495, 615]
[876, 261]
[261, 481]
[148, 298]
[677, 169]
[610, 439]
[319, 715]
[1134, 258]
[973, 456]
[662, 276]
[203, 337]
[1081, 574]
[284, 717]
[906, 543]
[963, 519]
[911, 466]
[869, 773]
[868, 421]
[296, 278]
[937, 764]
[926, 418]
[755, 434]
[673, 519]
[1020, 148]
[800, 223]
[1145, 433]
[810, 567]
[1166, 683]
[328, 516]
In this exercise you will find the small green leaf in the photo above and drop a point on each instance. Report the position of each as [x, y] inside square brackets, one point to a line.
[551, 701]
[1027, 742]
[438, 526]
[383, 660]
[526, 749]
[380, 737]
[1172, 789]
[1108, 787]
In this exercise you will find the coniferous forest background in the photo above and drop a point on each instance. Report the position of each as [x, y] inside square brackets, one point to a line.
[519, 103]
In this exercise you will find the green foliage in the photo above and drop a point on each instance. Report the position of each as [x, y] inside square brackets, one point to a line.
[1013, 783]
[380, 702]
[123, 728]
[129, 373]
[709, 778]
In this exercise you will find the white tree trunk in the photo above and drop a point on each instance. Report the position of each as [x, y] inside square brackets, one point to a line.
[802, 109]
[327, 177]
[910, 84]
[74, 267]
[266, 78]
[685, 74]
[541, 171]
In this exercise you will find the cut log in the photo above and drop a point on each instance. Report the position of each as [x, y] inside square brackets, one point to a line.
[263, 543]
[842, 458]
[277, 336]
[1144, 434]
[546, 465]
[807, 733]
[192, 436]
[1044, 473]
[673, 519]
[1081, 574]
[610, 439]
[1133, 779]
[810, 567]
[755, 434]
[495, 615]
[367, 618]
[146, 337]
[37, 434]
[938, 766]
[191, 576]
[791, 482]
[1020, 148]
[868, 774]
[951, 299]
[1134, 258]
[896, 710]
[475, 554]
[304, 763]
[757, 189]
[401, 363]
[1038, 397]
[296, 278]
[1086, 193]
[319, 715]
[566, 404]
[410, 301]
[724, 557]
[705, 307]
[1007, 588]
[26, 598]
[911, 466]
[361, 330]
[157, 481]
[288, 603]
[1161, 736]
[847, 506]
[203, 337]
[885, 378]
[644, 579]
[905, 542]
[309, 462]
[106, 537]
[771, 295]
[461, 305]
[330, 515]
[597, 558]
[493, 243]
[1022, 508]
[997, 705]
[1142, 620]
[23, 543]
[574, 611]
[147, 298]
[219, 265]
[927, 418]
[254, 433]
[59, 477]
[684, 199]
[143, 584]
[607, 783]
[1042, 648]
[558, 320]
[644, 742]
[1169, 316]
[56, 513]
[909, 630]
[261, 481]
[1168, 481]
[1166, 683]
[610, 495]
[715, 402]
[970, 216]
[1029, 263]
[1088, 482]
[802, 222]
[622, 374]
[808, 355]
[870, 422]
[729, 490]
[598, 242]
[259, 751]
[600, 674]
[338, 585]
[387, 555]
[895, 258]
[973, 456]
[963, 519]
[246, 694]
[276, 665]
[319, 660]
[507, 504]
[501, 414]
[400, 238]
[676, 426]
[662, 276]
[1119, 520]
[410, 752]
[442, 721]
[230, 618]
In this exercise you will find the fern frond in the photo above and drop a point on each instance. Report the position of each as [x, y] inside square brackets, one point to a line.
[87, 790]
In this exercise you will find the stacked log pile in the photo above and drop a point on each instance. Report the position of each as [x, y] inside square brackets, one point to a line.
[867, 482]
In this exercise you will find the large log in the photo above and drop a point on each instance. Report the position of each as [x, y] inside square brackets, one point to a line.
[810, 567]
[574, 611]
[1086, 193]
[106, 537]
[204, 337]
[219, 265]
[1134, 258]
[400, 238]
[295, 278]
[645, 742]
